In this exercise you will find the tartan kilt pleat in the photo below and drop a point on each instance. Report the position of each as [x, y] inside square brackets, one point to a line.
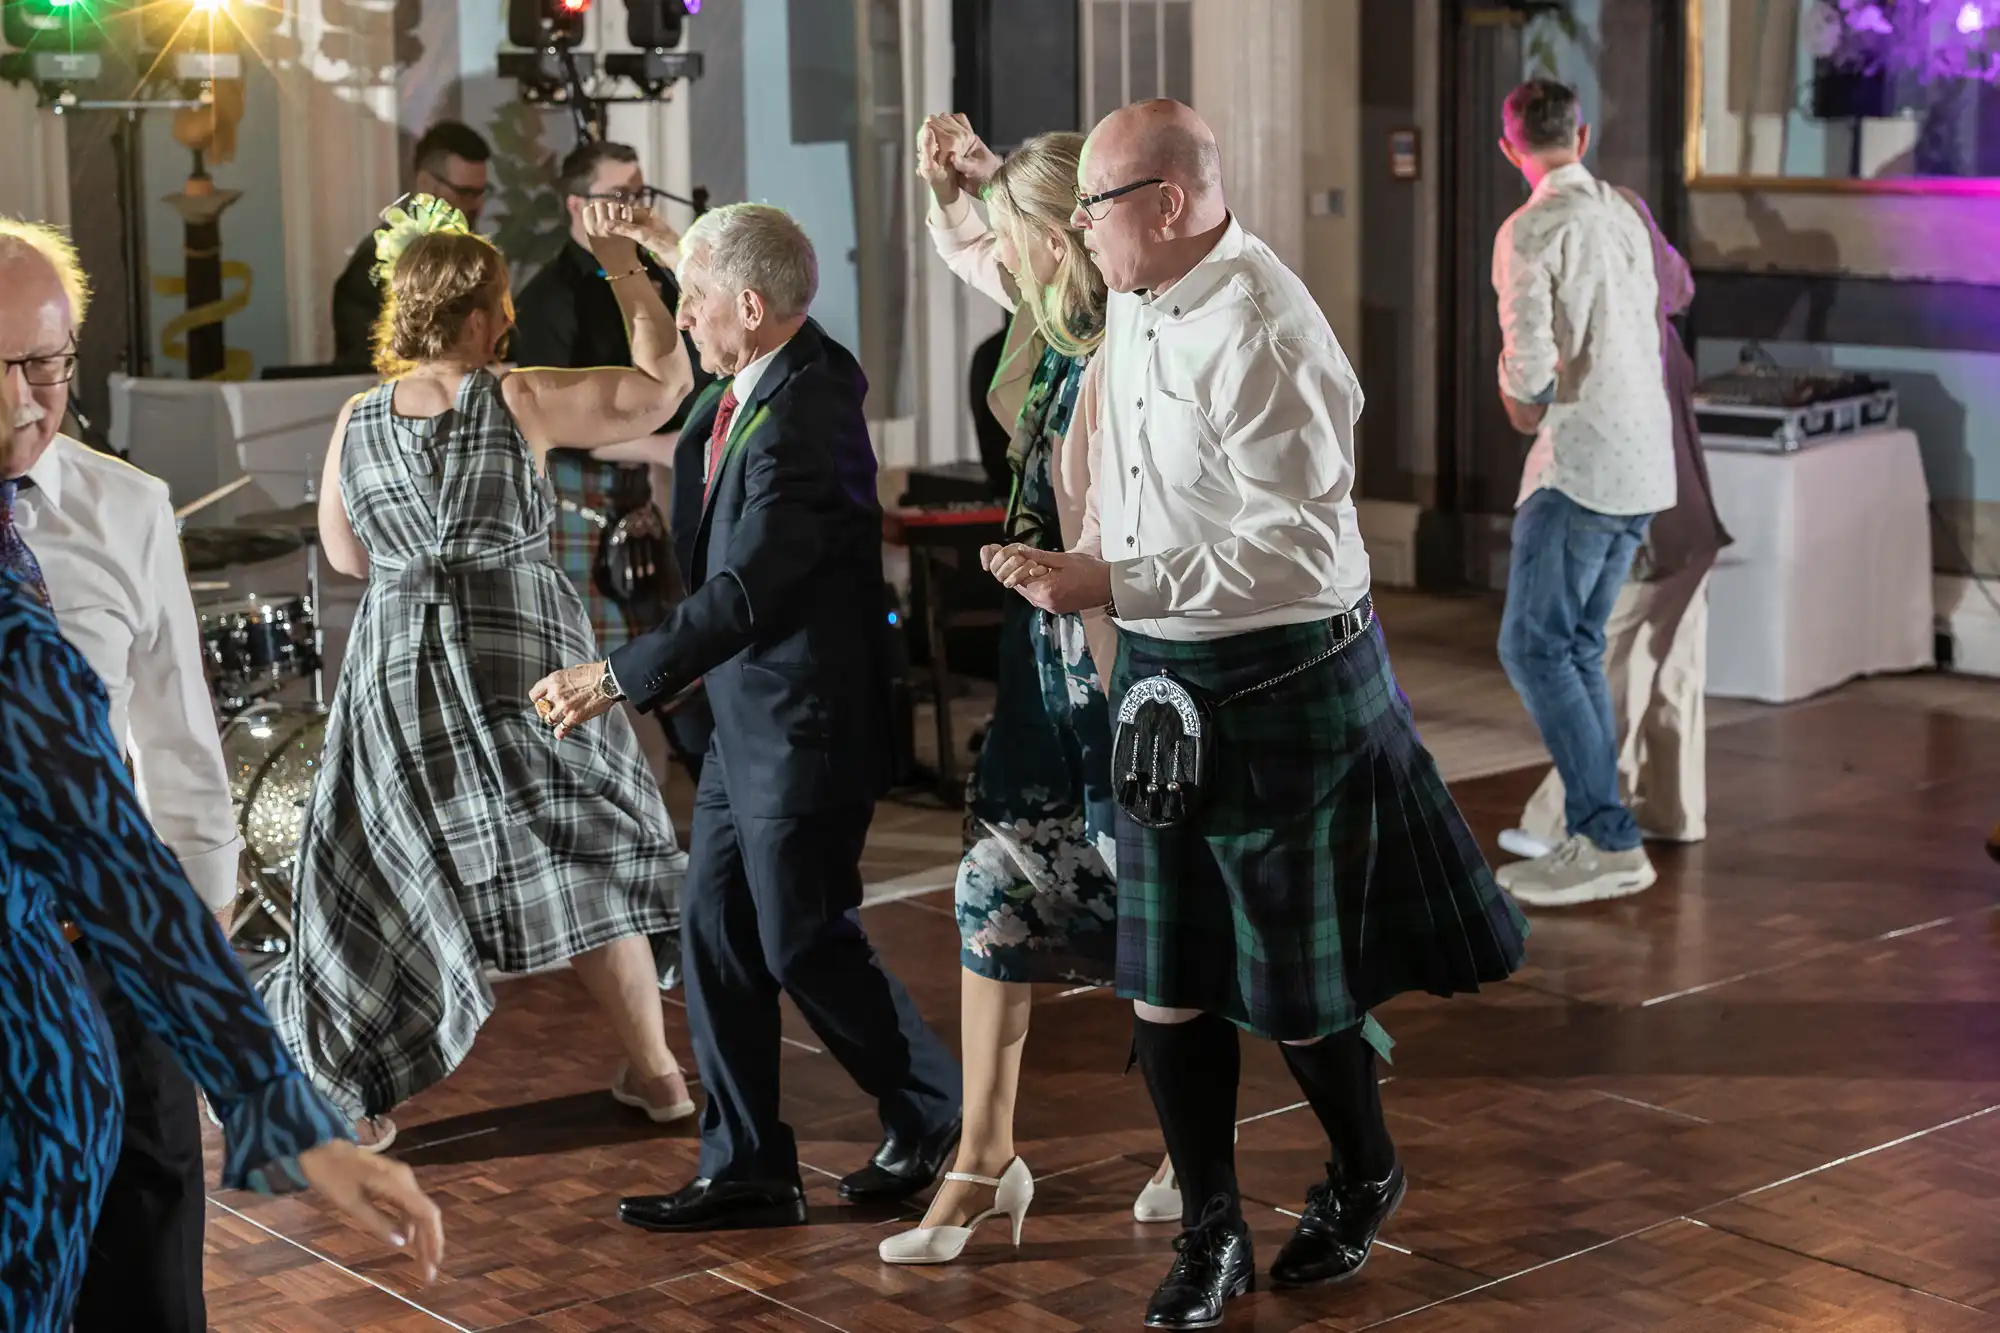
[1330, 869]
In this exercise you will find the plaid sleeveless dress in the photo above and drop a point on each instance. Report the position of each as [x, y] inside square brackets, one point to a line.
[449, 832]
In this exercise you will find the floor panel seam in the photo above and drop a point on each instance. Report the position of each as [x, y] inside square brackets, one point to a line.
[1490, 1283]
[1830, 1263]
[803, 1314]
[1911, 1137]
[335, 1263]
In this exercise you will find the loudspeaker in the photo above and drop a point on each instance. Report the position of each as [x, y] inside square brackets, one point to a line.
[1017, 67]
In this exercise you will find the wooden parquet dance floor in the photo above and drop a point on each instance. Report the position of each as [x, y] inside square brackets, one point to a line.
[1763, 1095]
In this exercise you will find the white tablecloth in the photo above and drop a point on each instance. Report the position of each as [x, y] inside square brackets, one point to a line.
[1830, 575]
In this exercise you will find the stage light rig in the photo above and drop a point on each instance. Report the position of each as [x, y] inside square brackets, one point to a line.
[551, 70]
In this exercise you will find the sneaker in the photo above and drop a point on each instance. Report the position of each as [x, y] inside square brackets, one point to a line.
[1579, 871]
[1520, 842]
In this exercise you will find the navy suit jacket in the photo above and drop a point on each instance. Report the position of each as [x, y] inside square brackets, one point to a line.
[785, 617]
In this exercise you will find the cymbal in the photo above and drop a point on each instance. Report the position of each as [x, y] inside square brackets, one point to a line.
[209, 549]
[303, 517]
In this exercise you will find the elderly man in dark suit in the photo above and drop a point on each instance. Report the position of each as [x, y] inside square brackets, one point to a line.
[779, 535]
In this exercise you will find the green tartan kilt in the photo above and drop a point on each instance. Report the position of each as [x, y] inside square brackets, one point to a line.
[606, 489]
[1329, 870]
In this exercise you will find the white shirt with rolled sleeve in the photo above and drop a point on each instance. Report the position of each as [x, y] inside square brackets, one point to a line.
[1580, 330]
[103, 533]
[1223, 481]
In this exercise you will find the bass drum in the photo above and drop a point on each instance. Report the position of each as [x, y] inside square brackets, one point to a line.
[272, 753]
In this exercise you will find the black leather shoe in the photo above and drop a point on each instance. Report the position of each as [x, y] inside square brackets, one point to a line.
[1214, 1263]
[901, 1167]
[1337, 1229]
[717, 1205]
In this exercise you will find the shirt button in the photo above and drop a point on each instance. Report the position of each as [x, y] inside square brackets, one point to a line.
[1135, 471]
[1149, 334]
[1131, 541]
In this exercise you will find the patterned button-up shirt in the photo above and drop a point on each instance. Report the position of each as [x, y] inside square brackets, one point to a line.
[1579, 320]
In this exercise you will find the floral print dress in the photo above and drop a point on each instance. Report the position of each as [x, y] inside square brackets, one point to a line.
[1036, 893]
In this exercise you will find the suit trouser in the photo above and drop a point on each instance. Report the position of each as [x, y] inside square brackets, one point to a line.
[771, 904]
[144, 1274]
[1656, 663]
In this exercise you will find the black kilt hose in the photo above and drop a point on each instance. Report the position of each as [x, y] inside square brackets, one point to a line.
[1329, 870]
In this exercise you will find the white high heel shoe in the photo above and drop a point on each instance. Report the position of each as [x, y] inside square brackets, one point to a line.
[1012, 1193]
[1160, 1201]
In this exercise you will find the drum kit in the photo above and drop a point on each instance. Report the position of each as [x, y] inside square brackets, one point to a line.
[258, 653]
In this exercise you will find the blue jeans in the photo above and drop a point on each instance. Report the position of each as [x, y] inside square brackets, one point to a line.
[1567, 566]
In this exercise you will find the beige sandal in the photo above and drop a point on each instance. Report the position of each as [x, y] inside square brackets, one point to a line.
[621, 1092]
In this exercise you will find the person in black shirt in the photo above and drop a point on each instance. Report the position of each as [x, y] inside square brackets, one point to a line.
[567, 316]
[450, 163]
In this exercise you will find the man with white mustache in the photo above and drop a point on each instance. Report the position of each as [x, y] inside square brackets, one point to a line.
[101, 535]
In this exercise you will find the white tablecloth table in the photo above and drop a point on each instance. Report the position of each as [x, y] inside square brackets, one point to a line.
[1830, 574]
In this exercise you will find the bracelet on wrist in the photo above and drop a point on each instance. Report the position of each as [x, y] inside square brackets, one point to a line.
[638, 272]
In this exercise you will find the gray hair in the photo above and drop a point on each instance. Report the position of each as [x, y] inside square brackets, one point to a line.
[758, 248]
[20, 239]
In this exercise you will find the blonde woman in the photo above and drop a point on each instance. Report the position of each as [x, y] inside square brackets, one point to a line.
[450, 831]
[1036, 896]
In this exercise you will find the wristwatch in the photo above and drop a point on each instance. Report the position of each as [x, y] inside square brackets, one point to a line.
[607, 686]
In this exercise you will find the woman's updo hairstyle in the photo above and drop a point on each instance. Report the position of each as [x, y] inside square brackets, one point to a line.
[438, 282]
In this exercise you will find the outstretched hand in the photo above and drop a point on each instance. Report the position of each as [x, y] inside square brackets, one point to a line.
[381, 1196]
[1057, 581]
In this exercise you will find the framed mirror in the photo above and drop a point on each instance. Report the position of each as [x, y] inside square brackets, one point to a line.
[1831, 95]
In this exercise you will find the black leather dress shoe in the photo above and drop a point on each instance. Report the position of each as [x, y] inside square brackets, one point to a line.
[1337, 1229]
[901, 1167]
[717, 1205]
[1214, 1263]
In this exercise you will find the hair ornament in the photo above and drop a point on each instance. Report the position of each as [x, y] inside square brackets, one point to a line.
[404, 221]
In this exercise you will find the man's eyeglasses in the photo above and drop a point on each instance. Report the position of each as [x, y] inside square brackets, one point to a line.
[1097, 207]
[43, 371]
[644, 194]
[476, 193]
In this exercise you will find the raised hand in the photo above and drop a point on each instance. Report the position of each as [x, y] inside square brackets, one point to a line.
[613, 229]
[934, 163]
[974, 161]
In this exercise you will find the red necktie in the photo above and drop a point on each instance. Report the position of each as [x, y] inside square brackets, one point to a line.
[719, 438]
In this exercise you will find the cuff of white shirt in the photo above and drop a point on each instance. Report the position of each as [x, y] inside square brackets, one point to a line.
[1135, 589]
[213, 873]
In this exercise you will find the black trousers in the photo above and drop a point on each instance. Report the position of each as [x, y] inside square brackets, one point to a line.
[770, 905]
[144, 1274]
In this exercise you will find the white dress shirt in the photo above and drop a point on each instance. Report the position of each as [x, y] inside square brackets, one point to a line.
[1579, 320]
[1225, 473]
[104, 534]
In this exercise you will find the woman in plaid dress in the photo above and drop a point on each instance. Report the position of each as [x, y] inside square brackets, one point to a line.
[449, 831]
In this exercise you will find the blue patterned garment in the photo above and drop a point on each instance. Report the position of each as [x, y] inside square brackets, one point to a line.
[1036, 897]
[75, 846]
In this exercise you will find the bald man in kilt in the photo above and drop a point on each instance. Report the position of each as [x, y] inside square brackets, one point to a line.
[1288, 857]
